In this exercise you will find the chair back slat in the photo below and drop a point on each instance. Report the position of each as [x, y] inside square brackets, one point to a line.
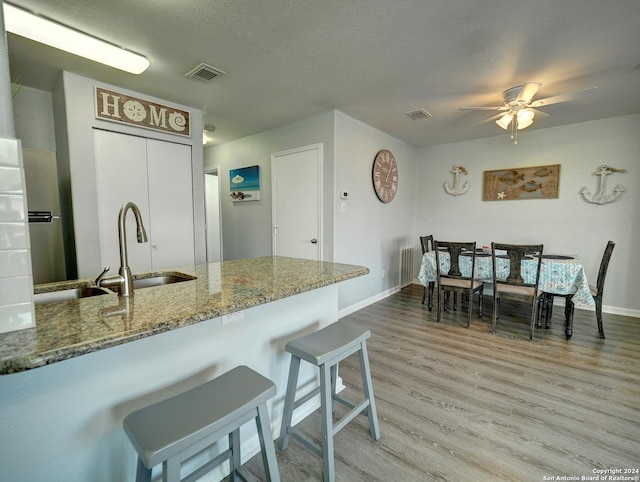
[455, 249]
[516, 253]
[426, 242]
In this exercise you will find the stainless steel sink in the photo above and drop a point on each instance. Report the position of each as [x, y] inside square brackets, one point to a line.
[161, 279]
[69, 294]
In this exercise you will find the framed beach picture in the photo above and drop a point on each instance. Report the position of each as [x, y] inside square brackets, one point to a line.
[540, 182]
[245, 183]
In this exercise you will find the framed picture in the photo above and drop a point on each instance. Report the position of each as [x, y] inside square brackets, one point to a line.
[540, 182]
[245, 183]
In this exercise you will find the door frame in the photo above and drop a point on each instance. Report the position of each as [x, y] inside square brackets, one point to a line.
[274, 157]
[211, 170]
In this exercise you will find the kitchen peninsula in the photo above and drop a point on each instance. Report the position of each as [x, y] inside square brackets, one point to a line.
[67, 384]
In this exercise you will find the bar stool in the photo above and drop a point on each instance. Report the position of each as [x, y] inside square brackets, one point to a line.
[197, 418]
[324, 349]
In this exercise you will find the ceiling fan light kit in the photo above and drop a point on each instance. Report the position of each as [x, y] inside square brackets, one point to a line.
[520, 109]
[40, 29]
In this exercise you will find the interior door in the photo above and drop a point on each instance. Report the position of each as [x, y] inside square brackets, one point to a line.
[157, 177]
[297, 202]
[121, 176]
[170, 204]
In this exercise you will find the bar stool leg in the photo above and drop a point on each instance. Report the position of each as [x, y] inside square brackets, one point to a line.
[266, 445]
[234, 460]
[326, 402]
[289, 402]
[367, 386]
[171, 469]
[334, 378]
[143, 474]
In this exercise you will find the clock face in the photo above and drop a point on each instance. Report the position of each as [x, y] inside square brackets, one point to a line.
[385, 176]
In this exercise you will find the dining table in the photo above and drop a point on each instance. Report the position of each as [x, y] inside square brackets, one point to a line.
[560, 274]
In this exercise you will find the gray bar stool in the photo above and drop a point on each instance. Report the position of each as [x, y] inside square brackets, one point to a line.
[324, 349]
[199, 417]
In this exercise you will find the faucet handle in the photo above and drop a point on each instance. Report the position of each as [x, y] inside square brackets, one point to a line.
[101, 275]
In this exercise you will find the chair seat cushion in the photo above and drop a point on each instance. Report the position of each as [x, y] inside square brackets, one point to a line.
[515, 290]
[459, 283]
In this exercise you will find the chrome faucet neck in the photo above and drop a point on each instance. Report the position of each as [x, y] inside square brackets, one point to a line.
[124, 280]
[122, 230]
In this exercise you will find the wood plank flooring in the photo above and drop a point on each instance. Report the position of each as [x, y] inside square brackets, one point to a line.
[458, 404]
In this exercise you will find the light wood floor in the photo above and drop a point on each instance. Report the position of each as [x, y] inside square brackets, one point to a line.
[458, 404]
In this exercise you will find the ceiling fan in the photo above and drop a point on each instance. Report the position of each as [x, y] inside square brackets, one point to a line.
[519, 108]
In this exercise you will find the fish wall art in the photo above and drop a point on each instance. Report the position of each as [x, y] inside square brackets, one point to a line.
[539, 182]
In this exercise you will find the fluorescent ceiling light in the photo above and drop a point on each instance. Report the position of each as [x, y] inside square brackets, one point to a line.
[43, 30]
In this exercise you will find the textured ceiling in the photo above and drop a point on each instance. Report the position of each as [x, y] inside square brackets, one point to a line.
[374, 60]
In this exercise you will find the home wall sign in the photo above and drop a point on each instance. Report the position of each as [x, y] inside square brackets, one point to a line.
[457, 190]
[244, 183]
[602, 196]
[125, 109]
[540, 182]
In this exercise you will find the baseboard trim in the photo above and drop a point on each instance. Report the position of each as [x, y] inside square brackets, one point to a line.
[369, 301]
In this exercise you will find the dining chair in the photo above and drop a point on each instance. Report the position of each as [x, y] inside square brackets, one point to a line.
[426, 243]
[596, 292]
[509, 283]
[453, 280]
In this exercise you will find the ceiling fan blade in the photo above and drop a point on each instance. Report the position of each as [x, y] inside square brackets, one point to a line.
[539, 113]
[501, 107]
[563, 97]
[527, 92]
[490, 119]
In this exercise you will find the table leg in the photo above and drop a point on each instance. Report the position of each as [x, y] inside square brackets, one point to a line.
[548, 310]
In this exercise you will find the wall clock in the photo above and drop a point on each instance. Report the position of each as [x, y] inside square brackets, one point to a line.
[385, 176]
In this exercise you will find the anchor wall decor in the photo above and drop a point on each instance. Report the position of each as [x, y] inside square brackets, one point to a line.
[456, 190]
[602, 196]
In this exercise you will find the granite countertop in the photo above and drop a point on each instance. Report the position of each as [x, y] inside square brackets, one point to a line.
[73, 328]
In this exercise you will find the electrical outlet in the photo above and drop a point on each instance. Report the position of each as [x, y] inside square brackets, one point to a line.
[384, 273]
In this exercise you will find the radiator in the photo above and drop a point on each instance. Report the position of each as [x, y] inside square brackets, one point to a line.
[406, 265]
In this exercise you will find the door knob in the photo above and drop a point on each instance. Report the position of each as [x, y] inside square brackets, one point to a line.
[314, 241]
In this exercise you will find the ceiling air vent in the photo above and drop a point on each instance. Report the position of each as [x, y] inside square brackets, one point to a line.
[204, 73]
[419, 114]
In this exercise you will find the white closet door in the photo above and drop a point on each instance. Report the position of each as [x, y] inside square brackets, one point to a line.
[171, 205]
[121, 176]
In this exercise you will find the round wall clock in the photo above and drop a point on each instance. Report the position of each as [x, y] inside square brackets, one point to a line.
[385, 176]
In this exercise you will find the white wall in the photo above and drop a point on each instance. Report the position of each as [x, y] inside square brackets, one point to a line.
[369, 232]
[565, 225]
[33, 113]
[246, 227]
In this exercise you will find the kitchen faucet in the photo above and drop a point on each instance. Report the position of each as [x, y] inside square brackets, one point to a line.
[124, 280]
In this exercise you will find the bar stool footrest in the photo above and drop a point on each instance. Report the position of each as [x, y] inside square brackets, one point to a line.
[304, 399]
[306, 441]
[207, 467]
[350, 416]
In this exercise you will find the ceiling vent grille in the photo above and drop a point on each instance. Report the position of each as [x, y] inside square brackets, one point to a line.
[204, 73]
[419, 114]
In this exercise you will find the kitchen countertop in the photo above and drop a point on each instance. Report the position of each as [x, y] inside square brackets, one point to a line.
[68, 329]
